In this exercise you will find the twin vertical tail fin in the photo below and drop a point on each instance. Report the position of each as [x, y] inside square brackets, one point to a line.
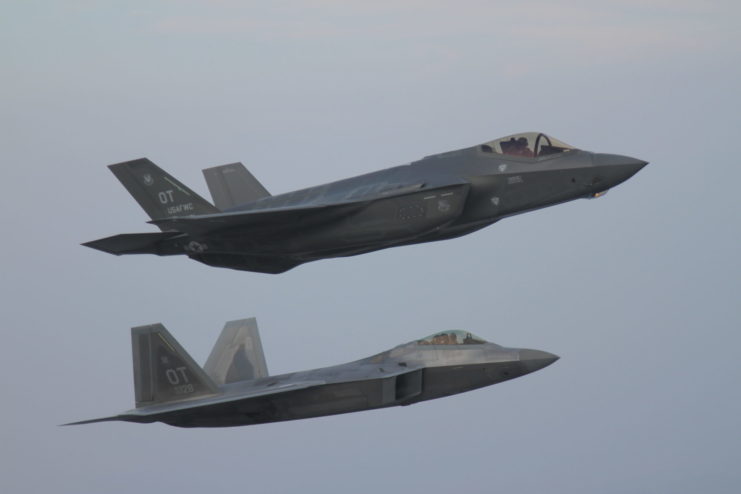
[157, 192]
[164, 373]
[231, 185]
[163, 370]
[237, 354]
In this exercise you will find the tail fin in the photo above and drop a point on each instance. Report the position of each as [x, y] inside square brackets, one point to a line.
[163, 370]
[237, 354]
[231, 185]
[157, 192]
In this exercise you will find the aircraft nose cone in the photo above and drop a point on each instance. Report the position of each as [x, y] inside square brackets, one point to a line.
[614, 169]
[534, 360]
[628, 164]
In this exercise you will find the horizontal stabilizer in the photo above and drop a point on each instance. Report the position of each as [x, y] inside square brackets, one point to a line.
[237, 354]
[132, 243]
[231, 185]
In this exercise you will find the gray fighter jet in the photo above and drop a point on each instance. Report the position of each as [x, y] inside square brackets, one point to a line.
[234, 387]
[439, 197]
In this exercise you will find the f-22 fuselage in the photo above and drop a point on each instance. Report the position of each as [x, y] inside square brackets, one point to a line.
[234, 387]
[438, 197]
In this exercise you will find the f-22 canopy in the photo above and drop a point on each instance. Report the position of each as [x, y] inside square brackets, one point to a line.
[439, 197]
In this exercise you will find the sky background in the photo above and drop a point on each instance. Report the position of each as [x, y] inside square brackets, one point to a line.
[639, 292]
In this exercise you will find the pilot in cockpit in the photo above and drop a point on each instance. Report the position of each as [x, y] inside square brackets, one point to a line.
[522, 148]
[517, 147]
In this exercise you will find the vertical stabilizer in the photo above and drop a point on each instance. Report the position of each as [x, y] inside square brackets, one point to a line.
[163, 370]
[231, 185]
[160, 194]
[237, 354]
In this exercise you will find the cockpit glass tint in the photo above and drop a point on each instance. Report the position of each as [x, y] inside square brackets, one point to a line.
[454, 337]
[527, 144]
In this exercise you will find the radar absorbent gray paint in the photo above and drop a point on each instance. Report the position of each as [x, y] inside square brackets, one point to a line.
[234, 387]
[436, 198]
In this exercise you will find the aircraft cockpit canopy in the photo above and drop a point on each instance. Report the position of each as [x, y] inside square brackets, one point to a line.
[527, 144]
[453, 337]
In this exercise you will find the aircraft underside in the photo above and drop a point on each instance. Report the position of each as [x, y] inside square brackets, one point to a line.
[347, 397]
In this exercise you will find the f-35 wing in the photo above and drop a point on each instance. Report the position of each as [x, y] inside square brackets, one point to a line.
[406, 199]
[280, 218]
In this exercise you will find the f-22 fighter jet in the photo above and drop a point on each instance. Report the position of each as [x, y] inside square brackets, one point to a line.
[436, 198]
[234, 387]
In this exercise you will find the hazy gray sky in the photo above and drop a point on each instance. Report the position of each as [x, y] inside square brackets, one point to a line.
[639, 292]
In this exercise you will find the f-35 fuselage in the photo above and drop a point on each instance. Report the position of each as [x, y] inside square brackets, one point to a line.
[439, 197]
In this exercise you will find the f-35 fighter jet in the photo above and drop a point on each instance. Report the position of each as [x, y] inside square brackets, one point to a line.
[234, 387]
[439, 197]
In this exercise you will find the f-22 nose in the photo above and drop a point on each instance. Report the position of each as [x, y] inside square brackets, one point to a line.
[534, 360]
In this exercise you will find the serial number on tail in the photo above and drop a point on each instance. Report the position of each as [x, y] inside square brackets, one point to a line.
[183, 389]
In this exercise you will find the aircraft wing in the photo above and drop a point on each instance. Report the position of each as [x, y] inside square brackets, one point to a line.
[284, 217]
[264, 390]
[146, 414]
[290, 217]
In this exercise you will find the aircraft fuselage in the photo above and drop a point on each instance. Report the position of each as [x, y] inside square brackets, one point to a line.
[403, 376]
[487, 189]
[438, 197]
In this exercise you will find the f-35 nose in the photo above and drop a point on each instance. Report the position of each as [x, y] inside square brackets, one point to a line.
[614, 169]
[630, 165]
[534, 360]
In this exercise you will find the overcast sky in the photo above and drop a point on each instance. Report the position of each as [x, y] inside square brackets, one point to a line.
[639, 292]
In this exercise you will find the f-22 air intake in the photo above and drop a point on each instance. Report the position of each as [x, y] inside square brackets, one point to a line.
[234, 387]
[436, 198]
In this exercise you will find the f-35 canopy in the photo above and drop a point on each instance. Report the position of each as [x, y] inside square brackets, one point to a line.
[527, 144]
[452, 337]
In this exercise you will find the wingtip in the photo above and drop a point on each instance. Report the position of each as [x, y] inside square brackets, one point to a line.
[112, 418]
